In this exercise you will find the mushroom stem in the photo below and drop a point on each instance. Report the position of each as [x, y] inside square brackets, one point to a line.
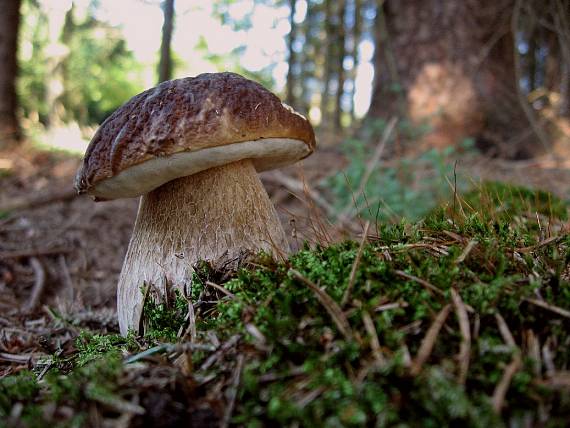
[215, 215]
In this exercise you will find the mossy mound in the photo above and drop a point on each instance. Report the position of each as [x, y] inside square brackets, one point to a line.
[463, 318]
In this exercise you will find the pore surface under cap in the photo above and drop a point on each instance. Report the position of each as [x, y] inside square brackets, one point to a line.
[144, 177]
[185, 117]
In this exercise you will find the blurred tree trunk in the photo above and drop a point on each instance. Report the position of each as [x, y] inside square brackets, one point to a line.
[329, 63]
[292, 59]
[450, 65]
[561, 15]
[9, 25]
[356, 35]
[165, 64]
[532, 62]
[340, 54]
[311, 50]
[57, 52]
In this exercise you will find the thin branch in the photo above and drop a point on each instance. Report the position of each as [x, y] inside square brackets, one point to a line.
[373, 335]
[429, 340]
[32, 252]
[38, 199]
[420, 281]
[232, 392]
[505, 331]
[465, 346]
[222, 289]
[502, 387]
[329, 304]
[542, 304]
[354, 269]
[466, 251]
[39, 284]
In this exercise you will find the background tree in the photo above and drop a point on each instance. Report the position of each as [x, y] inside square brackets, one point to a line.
[452, 66]
[165, 63]
[9, 26]
[292, 56]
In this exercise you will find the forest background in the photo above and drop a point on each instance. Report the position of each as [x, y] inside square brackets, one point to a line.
[495, 73]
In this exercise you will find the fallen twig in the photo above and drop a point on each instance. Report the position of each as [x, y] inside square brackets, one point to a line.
[39, 284]
[32, 252]
[545, 305]
[232, 392]
[502, 387]
[420, 281]
[544, 243]
[38, 199]
[428, 341]
[16, 358]
[505, 331]
[354, 269]
[329, 304]
[228, 344]
[466, 251]
[222, 289]
[373, 335]
[169, 347]
[465, 346]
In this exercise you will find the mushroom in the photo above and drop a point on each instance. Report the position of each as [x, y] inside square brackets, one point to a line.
[191, 148]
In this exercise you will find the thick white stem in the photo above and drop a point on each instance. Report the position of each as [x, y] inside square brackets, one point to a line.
[216, 214]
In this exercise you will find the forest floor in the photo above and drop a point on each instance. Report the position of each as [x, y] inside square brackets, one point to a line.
[60, 259]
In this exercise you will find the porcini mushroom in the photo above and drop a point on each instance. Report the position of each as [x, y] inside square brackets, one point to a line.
[192, 148]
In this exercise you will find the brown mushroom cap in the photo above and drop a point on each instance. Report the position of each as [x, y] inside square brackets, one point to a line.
[185, 126]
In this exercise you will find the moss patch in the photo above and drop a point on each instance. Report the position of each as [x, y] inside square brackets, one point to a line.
[288, 345]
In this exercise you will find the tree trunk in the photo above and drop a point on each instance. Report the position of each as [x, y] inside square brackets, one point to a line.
[165, 64]
[561, 15]
[9, 25]
[311, 51]
[341, 52]
[292, 60]
[455, 69]
[329, 64]
[356, 35]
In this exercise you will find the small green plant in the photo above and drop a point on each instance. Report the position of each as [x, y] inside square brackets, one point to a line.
[408, 188]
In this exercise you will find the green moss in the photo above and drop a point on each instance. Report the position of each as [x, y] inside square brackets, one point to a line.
[91, 347]
[19, 387]
[305, 370]
[164, 320]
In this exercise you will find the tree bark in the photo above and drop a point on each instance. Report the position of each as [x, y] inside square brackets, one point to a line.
[310, 54]
[165, 64]
[341, 52]
[453, 65]
[329, 63]
[292, 60]
[9, 26]
[356, 35]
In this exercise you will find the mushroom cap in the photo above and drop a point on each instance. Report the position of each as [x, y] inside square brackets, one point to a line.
[184, 126]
